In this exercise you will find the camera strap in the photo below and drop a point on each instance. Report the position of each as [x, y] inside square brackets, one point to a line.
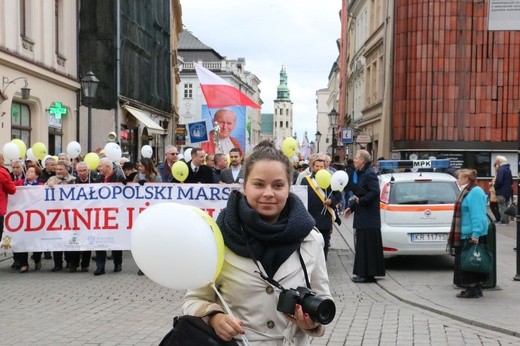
[271, 280]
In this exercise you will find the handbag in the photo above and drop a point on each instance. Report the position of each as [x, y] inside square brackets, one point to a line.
[193, 331]
[511, 210]
[476, 258]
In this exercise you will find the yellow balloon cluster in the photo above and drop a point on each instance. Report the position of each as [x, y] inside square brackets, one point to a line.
[180, 170]
[323, 178]
[289, 147]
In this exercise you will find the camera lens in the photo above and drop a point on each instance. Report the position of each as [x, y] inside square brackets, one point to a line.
[320, 310]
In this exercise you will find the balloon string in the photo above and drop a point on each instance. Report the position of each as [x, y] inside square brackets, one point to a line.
[228, 310]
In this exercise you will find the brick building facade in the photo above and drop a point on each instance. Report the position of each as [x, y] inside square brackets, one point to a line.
[455, 84]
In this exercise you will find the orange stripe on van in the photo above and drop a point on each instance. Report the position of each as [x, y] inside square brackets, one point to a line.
[405, 208]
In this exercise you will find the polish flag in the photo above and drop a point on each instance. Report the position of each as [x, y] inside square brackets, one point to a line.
[219, 93]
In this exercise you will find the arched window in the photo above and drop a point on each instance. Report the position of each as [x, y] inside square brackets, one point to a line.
[21, 122]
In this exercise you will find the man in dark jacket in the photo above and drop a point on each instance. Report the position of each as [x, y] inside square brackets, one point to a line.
[110, 175]
[198, 172]
[321, 202]
[503, 187]
[369, 260]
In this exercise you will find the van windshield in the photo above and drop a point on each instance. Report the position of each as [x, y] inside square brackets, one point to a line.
[424, 192]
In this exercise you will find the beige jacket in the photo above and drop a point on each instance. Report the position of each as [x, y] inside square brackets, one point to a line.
[253, 300]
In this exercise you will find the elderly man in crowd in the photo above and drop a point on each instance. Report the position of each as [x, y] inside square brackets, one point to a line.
[110, 175]
[62, 177]
[220, 164]
[165, 168]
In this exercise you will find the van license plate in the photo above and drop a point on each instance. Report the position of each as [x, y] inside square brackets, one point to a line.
[427, 237]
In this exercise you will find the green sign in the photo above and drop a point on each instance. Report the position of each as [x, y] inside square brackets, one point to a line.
[57, 110]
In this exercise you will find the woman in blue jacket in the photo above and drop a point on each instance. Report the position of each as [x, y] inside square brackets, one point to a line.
[469, 225]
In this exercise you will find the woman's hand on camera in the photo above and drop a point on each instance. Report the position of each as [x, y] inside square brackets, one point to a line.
[305, 322]
[226, 326]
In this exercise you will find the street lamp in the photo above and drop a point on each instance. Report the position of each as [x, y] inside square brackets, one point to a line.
[333, 121]
[318, 139]
[89, 85]
[517, 276]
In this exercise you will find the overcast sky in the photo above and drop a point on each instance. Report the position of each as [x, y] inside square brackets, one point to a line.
[298, 34]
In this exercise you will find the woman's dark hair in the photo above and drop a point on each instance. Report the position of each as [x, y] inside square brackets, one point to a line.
[266, 151]
[149, 168]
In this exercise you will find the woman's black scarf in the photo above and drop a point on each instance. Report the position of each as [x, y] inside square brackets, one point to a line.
[271, 244]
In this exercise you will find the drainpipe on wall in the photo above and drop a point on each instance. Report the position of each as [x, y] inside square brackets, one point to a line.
[118, 69]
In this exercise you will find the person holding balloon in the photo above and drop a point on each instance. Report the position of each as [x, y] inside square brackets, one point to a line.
[265, 229]
[368, 261]
[321, 199]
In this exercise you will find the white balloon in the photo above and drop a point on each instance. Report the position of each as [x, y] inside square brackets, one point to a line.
[413, 157]
[179, 255]
[11, 151]
[187, 154]
[339, 180]
[180, 156]
[30, 155]
[73, 149]
[113, 151]
[146, 151]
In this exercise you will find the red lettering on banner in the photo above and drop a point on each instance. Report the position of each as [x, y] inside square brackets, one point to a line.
[8, 221]
[109, 216]
[79, 217]
[34, 213]
[52, 225]
[130, 212]
[209, 211]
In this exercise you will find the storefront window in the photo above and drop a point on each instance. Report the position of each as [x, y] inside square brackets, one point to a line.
[21, 122]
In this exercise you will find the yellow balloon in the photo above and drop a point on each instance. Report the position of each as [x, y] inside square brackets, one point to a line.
[180, 170]
[289, 147]
[323, 178]
[92, 161]
[39, 150]
[21, 145]
[219, 240]
[228, 160]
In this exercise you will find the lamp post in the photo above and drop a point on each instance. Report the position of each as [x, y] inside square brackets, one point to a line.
[318, 139]
[517, 276]
[89, 85]
[333, 121]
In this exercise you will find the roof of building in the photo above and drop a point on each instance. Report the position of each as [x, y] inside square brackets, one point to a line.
[189, 42]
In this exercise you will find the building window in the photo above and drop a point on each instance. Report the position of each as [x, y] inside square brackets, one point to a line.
[58, 20]
[281, 124]
[23, 18]
[21, 122]
[188, 90]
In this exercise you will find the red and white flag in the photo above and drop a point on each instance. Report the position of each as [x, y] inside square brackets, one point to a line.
[218, 92]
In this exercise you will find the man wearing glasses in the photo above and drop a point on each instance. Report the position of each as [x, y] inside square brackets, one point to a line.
[165, 168]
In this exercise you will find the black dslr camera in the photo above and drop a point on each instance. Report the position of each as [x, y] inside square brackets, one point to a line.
[319, 309]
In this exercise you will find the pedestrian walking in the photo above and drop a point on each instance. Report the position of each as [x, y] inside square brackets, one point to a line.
[469, 225]
[503, 187]
[364, 204]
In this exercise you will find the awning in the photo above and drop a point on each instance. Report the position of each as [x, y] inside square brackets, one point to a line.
[145, 119]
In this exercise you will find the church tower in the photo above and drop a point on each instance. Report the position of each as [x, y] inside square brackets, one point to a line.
[283, 110]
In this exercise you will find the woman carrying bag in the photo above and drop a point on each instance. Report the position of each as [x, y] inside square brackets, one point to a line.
[469, 226]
